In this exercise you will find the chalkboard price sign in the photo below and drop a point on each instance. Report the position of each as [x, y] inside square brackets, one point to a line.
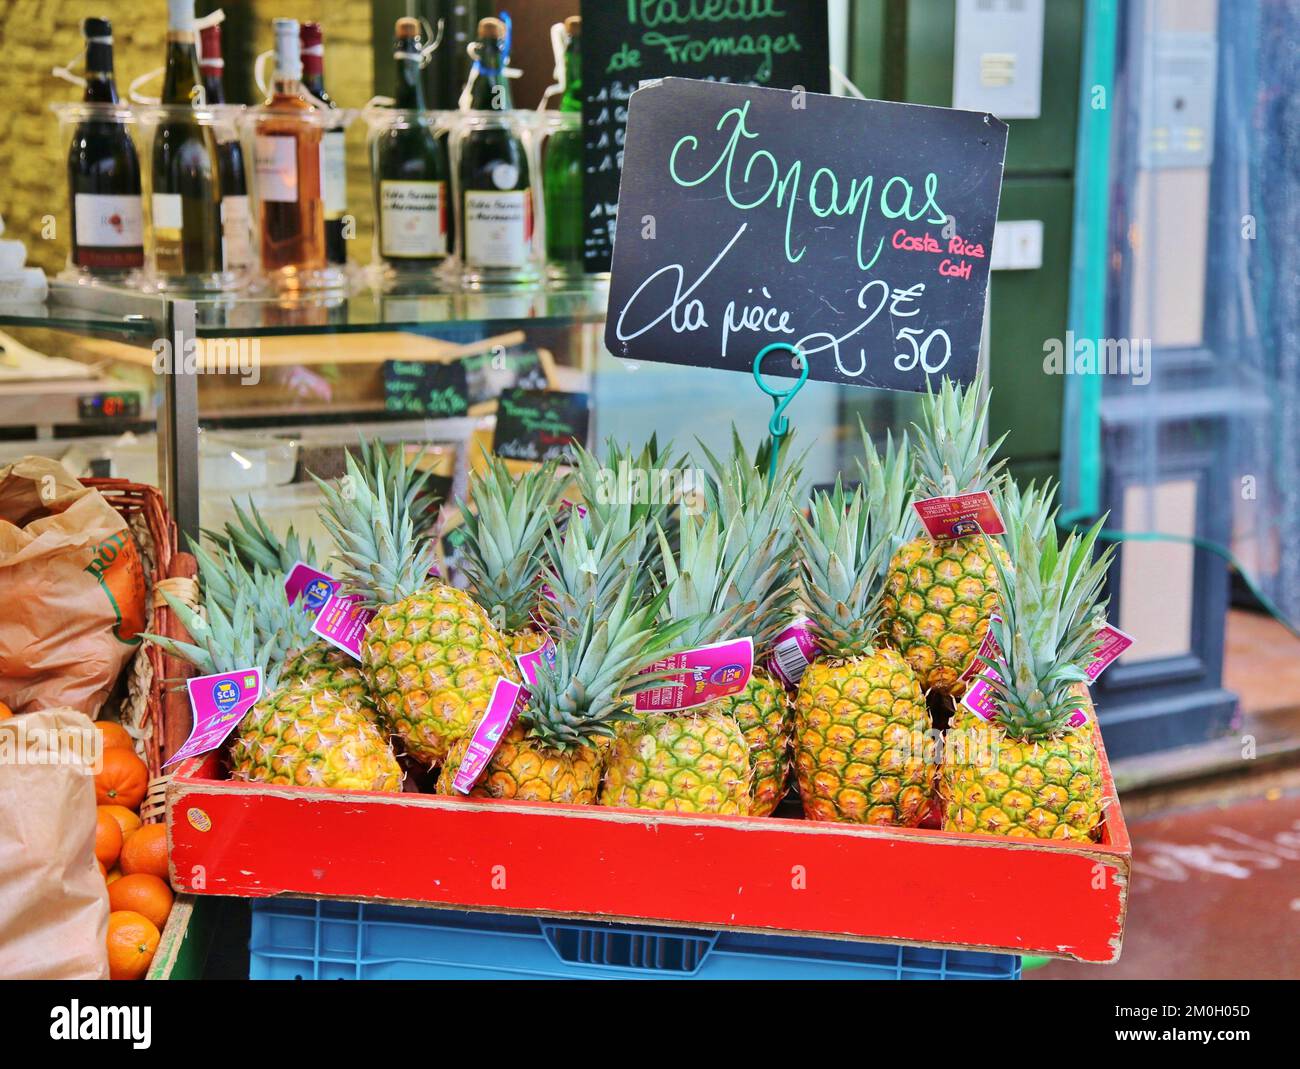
[426, 388]
[539, 425]
[781, 43]
[857, 231]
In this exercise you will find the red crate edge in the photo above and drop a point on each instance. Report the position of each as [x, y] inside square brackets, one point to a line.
[770, 875]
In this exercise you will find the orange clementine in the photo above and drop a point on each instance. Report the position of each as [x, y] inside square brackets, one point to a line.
[132, 940]
[126, 820]
[146, 895]
[113, 734]
[5, 711]
[114, 874]
[146, 851]
[123, 779]
[108, 838]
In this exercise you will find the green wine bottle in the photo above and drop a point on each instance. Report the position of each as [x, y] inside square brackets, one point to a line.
[562, 167]
[496, 192]
[186, 169]
[412, 171]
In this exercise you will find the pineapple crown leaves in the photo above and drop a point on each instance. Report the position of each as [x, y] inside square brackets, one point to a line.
[596, 668]
[224, 641]
[949, 457]
[890, 487]
[506, 522]
[848, 540]
[249, 539]
[1051, 608]
[585, 569]
[699, 581]
[739, 492]
[369, 513]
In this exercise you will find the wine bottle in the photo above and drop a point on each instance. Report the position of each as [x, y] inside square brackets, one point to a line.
[496, 195]
[186, 169]
[104, 173]
[287, 149]
[334, 167]
[562, 167]
[236, 221]
[412, 170]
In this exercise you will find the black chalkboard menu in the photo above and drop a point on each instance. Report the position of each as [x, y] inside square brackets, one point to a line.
[779, 43]
[539, 425]
[856, 230]
[426, 388]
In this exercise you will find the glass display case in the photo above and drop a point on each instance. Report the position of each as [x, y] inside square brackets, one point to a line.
[237, 397]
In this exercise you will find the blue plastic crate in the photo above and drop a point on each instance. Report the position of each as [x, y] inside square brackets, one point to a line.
[306, 939]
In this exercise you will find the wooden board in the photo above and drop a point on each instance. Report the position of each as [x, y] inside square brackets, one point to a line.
[769, 875]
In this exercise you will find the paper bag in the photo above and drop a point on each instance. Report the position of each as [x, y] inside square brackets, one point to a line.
[72, 590]
[53, 900]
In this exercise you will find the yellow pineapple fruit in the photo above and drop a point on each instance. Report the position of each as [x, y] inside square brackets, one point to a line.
[1028, 773]
[864, 746]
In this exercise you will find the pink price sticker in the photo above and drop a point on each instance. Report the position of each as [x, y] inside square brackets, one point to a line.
[528, 662]
[700, 676]
[956, 517]
[310, 584]
[343, 622]
[1111, 642]
[507, 701]
[219, 703]
[793, 650]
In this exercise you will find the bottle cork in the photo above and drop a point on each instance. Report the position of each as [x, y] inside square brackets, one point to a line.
[490, 27]
[407, 27]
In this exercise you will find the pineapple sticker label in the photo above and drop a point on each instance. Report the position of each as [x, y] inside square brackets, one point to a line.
[310, 584]
[856, 231]
[342, 622]
[700, 676]
[956, 517]
[507, 700]
[219, 703]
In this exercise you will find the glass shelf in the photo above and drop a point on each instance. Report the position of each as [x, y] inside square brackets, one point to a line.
[134, 316]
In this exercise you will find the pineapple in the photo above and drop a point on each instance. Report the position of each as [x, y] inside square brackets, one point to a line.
[431, 655]
[554, 752]
[1029, 774]
[506, 521]
[294, 735]
[939, 595]
[862, 728]
[695, 760]
[759, 509]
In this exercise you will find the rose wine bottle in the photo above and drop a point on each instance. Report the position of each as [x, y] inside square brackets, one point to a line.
[562, 167]
[186, 199]
[334, 167]
[412, 171]
[287, 147]
[496, 192]
[104, 173]
[236, 222]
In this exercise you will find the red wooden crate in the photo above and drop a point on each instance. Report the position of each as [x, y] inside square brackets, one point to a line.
[765, 874]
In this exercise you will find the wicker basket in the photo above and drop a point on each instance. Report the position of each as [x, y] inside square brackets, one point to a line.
[156, 716]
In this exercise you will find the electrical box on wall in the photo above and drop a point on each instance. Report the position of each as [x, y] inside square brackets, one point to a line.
[998, 57]
[1178, 86]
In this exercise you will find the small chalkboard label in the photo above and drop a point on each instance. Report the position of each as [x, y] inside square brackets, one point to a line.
[426, 388]
[857, 231]
[754, 42]
[538, 425]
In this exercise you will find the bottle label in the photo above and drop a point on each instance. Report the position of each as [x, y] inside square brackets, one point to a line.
[236, 246]
[168, 214]
[109, 222]
[498, 228]
[412, 219]
[276, 161]
[334, 173]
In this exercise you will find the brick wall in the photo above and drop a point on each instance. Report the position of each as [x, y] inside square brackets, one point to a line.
[36, 35]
